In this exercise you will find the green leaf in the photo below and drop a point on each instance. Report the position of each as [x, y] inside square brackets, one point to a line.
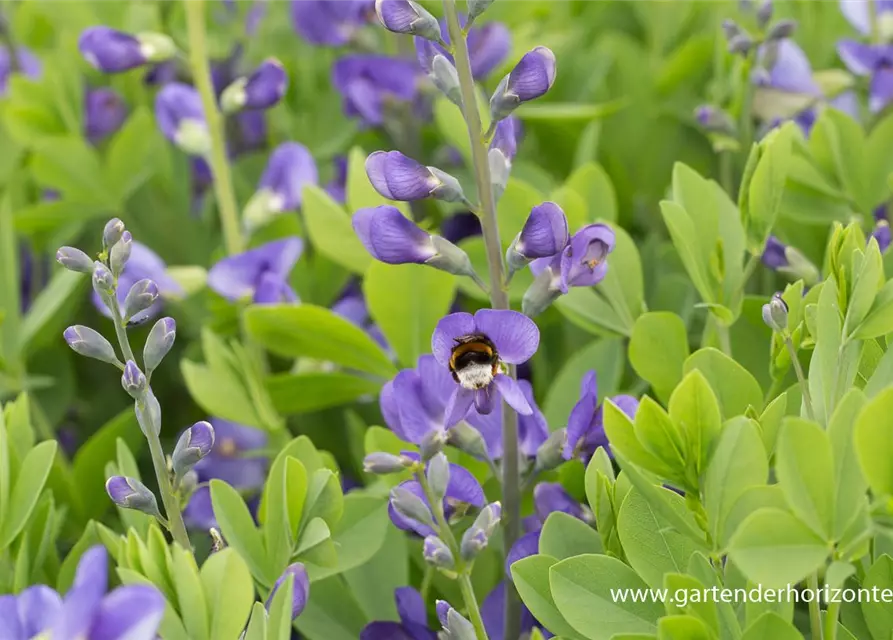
[281, 608]
[683, 628]
[514, 207]
[694, 407]
[879, 319]
[171, 626]
[30, 481]
[564, 536]
[307, 330]
[605, 357]
[659, 435]
[764, 191]
[622, 436]
[751, 499]
[651, 546]
[805, 469]
[332, 612]
[826, 363]
[684, 233]
[531, 577]
[451, 126]
[406, 302]
[591, 312]
[591, 181]
[229, 590]
[190, 595]
[623, 286]
[849, 485]
[774, 549]
[373, 583]
[868, 270]
[297, 393]
[132, 151]
[71, 166]
[771, 625]
[63, 286]
[219, 393]
[238, 528]
[735, 388]
[664, 333]
[582, 588]
[568, 111]
[331, 231]
[257, 624]
[358, 535]
[878, 614]
[738, 463]
[282, 509]
[873, 434]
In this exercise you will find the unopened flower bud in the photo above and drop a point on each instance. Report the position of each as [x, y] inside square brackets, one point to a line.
[74, 260]
[437, 553]
[438, 474]
[432, 443]
[532, 77]
[262, 89]
[87, 342]
[775, 314]
[550, 453]
[458, 627]
[141, 296]
[450, 258]
[544, 290]
[300, 588]
[410, 506]
[103, 280]
[730, 29]
[130, 493]
[133, 380]
[468, 440]
[714, 119]
[740, 44]
[381, 463]
[545, 233]
[477, 7]
[405, 16]
[195, 443]
[188, 483]
[113, 231]
[158, 344]
[446, 78]
[764, 13]
[148, 413]
[781, 30]
[119, 254]
[500, 170]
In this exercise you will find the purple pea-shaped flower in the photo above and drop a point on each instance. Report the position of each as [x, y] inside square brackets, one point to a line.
[260, 274]
[261, 89]
[531, 78]
[544, 234]
[585, 427]
[289, 169]
[300, 588]
[113, 51]
[398, 177]
[406, 16]
[104, 113]
[181, 118]
[323, 22]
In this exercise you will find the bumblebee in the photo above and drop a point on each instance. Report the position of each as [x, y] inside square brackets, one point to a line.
[474, 361]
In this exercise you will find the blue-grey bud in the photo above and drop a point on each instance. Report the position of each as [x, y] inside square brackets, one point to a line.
[103, 280]
[87, 342]
[764, 13]
[449, 189]
[781, 30]
[477, 7]
[195, 443]
[188, 484]
[130, 493]
[112, 232]
[775, 313]
[158, 344]
[446, 78]
[381, 463]
[478, 534]
[730, 29]
[119, 254]
[133, 380]
[450, 258]
[409, 505]
[458, 627]
[741, 44]
[148, 413]
[437, 553]
[74, 260]
[541, 293]
[500, 170]
[550, 453]
[432, 443]
[468, 440]
[142, 295]
[438, 475]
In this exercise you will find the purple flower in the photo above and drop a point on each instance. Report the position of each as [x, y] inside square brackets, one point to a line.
[531, 78]
[330, 22]
[774, 254]
[300, 589]
[413, 623]
[392, 238]
[585, 427]
[337, 188]
[414, 402]
[87, 611]
[399, 177]
[104, 113]
[549, 497]
[460, 226]
[462, 488]
[488, 47]
[261, 89]
[250, 132]
[474, 348]
[234, 457]
[544, 235]
[260, 274]
[875, 62]
[181, 118]
[144, 264]
[493, 615]
[29, 64]
[858, 12]
[533, 430]
[367, 82]
[352, 307]
[406, 16]
[289, 169]
[111, 51]
[505, 138]
[882, 234]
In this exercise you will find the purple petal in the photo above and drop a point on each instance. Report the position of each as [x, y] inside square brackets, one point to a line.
[792, 71]
[533, 75]
[484, 399]
[442, 607]
[490, 428]
[266, 85]
[239, 276]
[289, 169]
[38, 607]
[392, 238]
[488, 47]
[883, 235]
[464, 487]
[774, 254]
[545, 233]
[175, 103]
[366, 82]
[199, 512]
[860, 58]
[447, 331]
[406, 524]
[506, 138]
[410, 606]
[300, 588]
[104, 113]
[133, 612]
[551, 496]
[416, 420]
[533, 430]
[82, 600]
[110, 51]
[584, 261]
[10, 625]
[515, 336]
[457, 407]
[526, 545]
[881, 92]
[406, 178]
[396, 15]
[857, 12]
[437, 383]
[512, 394]
[383, 630]
[390, 410]
[376, 169]
[627, 404]
[233, 458]
[272, 288]
[323, 22]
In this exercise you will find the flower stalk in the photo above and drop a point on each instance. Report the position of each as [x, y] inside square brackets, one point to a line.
[201, 72]
[511, 495]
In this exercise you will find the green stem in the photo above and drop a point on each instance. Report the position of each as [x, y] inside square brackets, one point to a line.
[511, 494]
[815, 614]
[168, 499]
[725, 343]
[201, 73]
[426, 582]
[831, 615]
[804, 387]
[463, 569]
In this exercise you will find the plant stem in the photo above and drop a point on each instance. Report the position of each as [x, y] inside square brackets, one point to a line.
[804, 387]
[463, 569]
[831, 615]
[511, 495]
[201, 73]
[168, 499]
[725, 343]
[815, 614]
